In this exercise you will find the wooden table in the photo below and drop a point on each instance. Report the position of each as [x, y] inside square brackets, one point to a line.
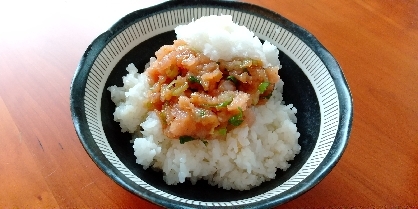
[43, 164]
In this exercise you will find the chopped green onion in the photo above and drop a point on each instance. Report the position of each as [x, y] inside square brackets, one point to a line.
[222, 131]
[224, 104]
[149, 105]
[232, 78]
[246, 63]
[205, 142]
[194, 79]
[202, 113]
[237, 119]
[177, 91]
[172, 71]
[263, 86]
[163, 117]
[257, 62]
[184, 139]
[219, 105]
[170, 85]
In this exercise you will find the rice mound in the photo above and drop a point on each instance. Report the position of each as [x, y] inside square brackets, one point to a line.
[249, 155]
[218, 37]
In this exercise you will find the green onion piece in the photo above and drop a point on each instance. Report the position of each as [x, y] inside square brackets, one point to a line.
[257, 62]
[222, 131]
[149, 105]
[263, 86]
[163, 117]
[232, 78]
[205, 142]
[170, 85]
[177, 91]
[194, 79]
[202, 113]
[237, 119]
[219, 105]
[184, 139]
[172, 72]
[224, 104]
[246, 63]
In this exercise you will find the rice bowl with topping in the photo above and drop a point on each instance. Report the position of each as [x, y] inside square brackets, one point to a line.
[313, 82]
[217, 114]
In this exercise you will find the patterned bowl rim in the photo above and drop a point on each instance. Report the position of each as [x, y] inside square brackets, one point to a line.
[323, 70]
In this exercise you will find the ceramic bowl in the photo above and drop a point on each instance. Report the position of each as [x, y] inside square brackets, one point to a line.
[314, 84]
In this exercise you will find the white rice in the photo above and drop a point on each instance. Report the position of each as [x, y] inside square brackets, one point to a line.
[218, 37]
[248, 156]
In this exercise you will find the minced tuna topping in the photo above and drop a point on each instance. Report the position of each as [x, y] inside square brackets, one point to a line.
[198, 98]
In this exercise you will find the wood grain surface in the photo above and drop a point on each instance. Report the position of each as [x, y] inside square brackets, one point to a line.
[43, 164]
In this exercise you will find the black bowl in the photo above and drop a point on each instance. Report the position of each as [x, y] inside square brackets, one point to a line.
[314, 84]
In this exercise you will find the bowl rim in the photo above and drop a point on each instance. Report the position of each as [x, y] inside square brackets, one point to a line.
[344, 94]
